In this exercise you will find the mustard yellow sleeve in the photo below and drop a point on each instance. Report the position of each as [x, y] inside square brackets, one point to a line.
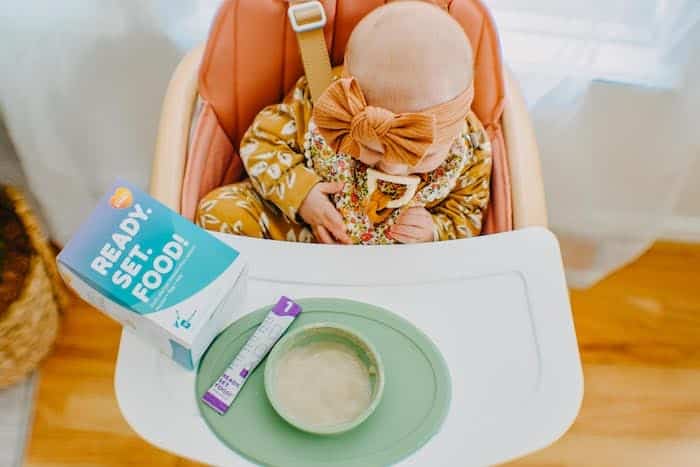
[272, 151]
[460, 215]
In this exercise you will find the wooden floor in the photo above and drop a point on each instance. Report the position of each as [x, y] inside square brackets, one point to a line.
[639, 334]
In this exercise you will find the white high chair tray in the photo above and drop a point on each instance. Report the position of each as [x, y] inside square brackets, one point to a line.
[496, 306]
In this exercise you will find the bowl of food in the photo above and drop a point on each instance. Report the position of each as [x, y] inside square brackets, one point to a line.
[324, 378]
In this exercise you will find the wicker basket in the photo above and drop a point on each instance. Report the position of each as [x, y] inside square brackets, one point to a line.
[31, 292]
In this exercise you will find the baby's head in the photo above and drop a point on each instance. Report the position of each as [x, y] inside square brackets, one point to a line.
[409, 56]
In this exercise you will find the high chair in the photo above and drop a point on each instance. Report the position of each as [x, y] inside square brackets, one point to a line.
[496, 306]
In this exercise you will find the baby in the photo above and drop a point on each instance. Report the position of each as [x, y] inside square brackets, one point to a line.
[390, 152]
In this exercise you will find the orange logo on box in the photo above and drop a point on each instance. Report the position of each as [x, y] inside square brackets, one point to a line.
[122, 198]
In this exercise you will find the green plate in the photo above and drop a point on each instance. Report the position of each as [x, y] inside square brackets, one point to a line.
[415, 402]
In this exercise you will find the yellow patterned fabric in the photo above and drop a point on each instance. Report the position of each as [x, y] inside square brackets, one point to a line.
[285, 156]
[239, 209]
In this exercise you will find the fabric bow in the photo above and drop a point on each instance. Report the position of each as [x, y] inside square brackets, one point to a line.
[346, 122]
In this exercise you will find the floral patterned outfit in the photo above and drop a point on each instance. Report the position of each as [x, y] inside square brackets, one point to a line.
[285, 156]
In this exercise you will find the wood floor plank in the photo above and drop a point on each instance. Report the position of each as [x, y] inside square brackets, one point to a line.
[77, 421]
[639, 335]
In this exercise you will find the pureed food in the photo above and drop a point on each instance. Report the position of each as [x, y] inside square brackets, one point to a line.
[323, 384]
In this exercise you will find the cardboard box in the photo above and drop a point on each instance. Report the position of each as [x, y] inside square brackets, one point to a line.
[171, 282]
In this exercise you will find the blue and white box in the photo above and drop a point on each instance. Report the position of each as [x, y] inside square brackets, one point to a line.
[155, 272]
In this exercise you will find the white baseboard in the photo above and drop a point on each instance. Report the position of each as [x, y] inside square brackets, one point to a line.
[681, 229]
[16, 406]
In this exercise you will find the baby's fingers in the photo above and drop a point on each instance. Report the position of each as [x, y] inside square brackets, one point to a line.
[322, 234]
[329, 188]
[333, 221]
[411, 234]
[407, 231]
[411, 219]
[402, 238]
[417, 217]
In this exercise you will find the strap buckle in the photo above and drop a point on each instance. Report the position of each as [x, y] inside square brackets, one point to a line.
[307, 16]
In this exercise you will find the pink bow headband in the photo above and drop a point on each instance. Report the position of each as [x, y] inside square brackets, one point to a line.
[346, 122]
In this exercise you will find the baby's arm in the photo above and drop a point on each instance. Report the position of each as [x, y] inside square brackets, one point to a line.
[460, 215]
[272, 153]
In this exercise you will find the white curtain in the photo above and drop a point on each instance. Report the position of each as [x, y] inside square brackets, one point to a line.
[609, 84]
[614, 96]
[81, 85]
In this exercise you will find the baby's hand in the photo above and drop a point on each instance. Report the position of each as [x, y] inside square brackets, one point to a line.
[414, 225]
[325, 220]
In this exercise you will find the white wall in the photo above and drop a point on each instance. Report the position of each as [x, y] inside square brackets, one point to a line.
[686, 221]
[689, 200]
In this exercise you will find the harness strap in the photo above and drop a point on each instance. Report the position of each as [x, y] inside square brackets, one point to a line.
[308, 19]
